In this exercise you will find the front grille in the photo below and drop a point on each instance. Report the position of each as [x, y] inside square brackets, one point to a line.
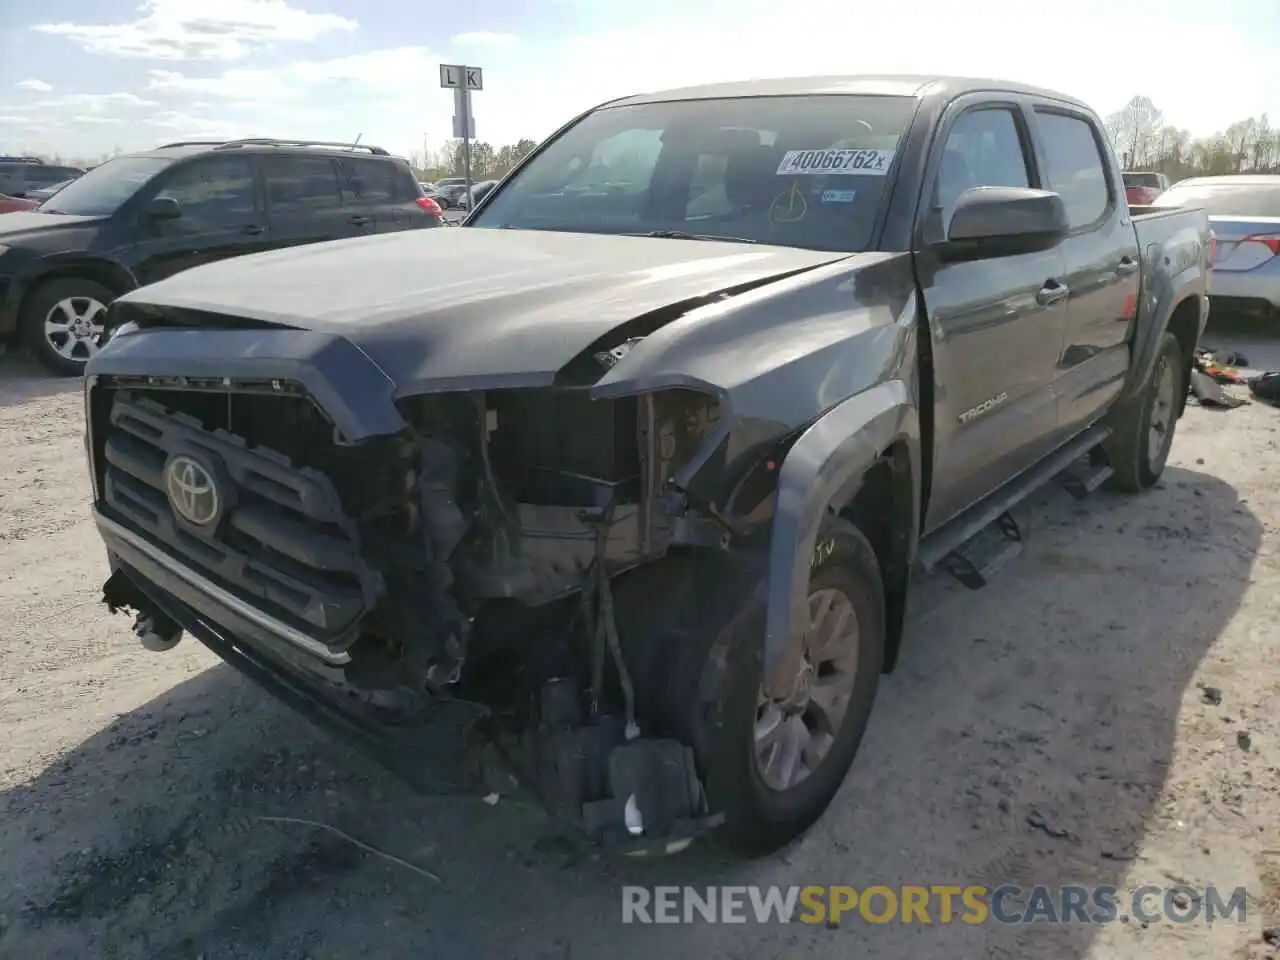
[283, 540]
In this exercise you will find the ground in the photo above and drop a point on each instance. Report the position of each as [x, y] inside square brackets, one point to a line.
[1103, 713]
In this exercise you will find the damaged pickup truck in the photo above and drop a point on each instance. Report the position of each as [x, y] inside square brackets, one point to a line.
[616, 492]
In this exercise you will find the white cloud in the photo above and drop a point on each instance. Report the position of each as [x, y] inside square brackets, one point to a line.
[396, 71]
[482, 38]
[201, 29]
[531, 89]
[39, 86]
[392, 96]
[184, 124]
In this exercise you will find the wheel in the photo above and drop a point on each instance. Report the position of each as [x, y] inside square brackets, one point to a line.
[773, 767]
[1143, 427]
[62, 323]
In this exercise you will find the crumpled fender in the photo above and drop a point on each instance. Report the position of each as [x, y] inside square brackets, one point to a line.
[822, 472]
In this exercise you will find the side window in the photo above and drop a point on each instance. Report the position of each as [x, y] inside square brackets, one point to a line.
[216, 188]
[1074, 166]
[301, 184]
[983, 150]
[374, 180]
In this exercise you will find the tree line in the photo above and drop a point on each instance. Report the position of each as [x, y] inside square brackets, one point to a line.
[1144, 141]
[487, 161]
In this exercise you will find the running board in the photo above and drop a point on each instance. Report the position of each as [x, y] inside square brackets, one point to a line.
[944, 547]
[1081, 483]
[976, 562]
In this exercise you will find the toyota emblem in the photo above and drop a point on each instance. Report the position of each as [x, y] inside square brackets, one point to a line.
[192, 490]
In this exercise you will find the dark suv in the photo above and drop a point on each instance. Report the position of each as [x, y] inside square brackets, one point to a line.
[143, 217]
[19, 178]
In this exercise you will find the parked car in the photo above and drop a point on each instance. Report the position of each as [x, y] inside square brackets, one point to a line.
[139, 218]
[478, 192]
[20, 179]
[634, 499]
[1141, 188]
[14, 204]
[450, 196]
[38, 197]
[1244, 212]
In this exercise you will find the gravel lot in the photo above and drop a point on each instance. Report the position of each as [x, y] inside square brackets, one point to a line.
[1072, 687]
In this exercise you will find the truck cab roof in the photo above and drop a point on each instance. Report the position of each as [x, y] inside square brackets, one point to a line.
[890, 85]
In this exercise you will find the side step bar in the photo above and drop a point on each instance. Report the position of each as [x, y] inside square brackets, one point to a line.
[959, 547]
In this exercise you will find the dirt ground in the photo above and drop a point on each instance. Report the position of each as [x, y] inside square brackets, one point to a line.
[1070, 692]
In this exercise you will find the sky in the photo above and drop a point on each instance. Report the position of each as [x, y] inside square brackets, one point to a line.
[81, 78]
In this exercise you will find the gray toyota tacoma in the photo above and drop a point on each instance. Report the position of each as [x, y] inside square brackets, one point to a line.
[616, 493]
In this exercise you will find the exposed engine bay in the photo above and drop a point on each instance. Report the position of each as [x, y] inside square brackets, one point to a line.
[511, 545]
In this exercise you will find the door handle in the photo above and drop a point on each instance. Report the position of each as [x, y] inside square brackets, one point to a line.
[252, 229]
[359, 220]
[1126, 266]
[1053, 291]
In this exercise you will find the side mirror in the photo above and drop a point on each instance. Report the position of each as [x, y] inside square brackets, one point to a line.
[162, 208]
[1003, 222]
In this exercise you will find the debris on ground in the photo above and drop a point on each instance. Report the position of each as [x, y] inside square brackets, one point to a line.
[1243, 740]
[1266, 387]
[1211, 695]
[1210, 378]
[1041, 822]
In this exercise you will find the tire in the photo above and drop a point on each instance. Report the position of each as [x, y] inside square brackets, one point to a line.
[760, 815]
[61, 323]
[1137, 459]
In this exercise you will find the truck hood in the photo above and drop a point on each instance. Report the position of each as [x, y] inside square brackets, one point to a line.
[468, 308]
[20, 223]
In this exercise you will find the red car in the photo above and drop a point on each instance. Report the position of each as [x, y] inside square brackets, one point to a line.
[1141, 188]
[10, 204]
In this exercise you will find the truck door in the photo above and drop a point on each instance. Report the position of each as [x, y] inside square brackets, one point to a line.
[1102, 264]
[996, 323]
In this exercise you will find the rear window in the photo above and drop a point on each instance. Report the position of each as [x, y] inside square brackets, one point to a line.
[45, 175]
[376, 181]
[1142, 180]
[1225, 200]
[806, 171]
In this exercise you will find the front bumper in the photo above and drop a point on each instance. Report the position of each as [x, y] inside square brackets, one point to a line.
[430, 751]
[205, 598]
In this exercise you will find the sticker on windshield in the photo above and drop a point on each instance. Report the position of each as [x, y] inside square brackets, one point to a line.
[838, 196]
[873, 163]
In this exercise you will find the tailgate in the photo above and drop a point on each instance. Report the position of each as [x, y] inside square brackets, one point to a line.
[1244, 243]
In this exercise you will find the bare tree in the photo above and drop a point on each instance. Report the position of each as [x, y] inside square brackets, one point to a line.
[1133, 129]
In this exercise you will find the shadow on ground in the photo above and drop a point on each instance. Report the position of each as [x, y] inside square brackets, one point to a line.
[1052, 695]
[23, 380]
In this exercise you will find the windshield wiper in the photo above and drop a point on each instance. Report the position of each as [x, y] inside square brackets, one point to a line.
[681, 235]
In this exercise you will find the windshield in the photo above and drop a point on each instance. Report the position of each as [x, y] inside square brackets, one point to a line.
[806, 171]
[1226, 199]
[101, 191]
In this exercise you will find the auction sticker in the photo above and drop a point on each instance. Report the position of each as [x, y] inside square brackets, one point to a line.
[874, 163]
